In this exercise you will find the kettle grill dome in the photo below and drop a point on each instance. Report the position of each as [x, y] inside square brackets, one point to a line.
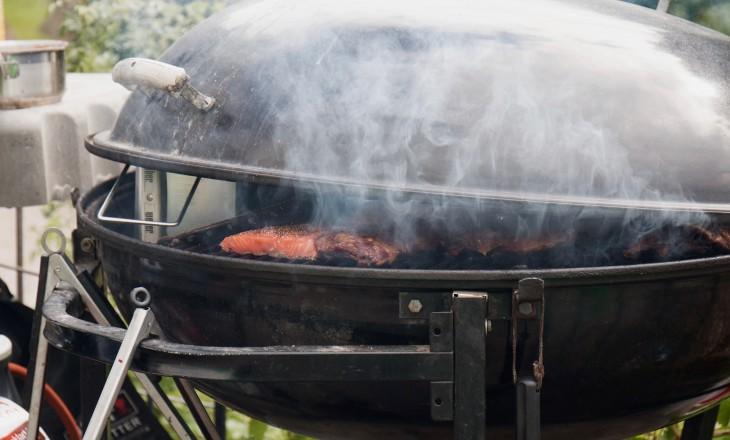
[563, 101]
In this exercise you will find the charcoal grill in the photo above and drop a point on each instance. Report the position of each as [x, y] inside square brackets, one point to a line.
[601, 118]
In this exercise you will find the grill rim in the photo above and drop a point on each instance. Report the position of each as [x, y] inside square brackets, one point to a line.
[88, 204]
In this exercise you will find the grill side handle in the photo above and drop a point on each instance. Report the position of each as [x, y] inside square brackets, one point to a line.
[146, 74]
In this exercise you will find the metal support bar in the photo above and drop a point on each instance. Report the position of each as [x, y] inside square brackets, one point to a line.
[139, 328]
[470, 361]
[528, 410]
[219, 414]
[37, 374]
[19, 253]
[206, 425]
[701, 426]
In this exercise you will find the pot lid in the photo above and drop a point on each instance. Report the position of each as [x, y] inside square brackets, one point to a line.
[597, 102]
[30, 46]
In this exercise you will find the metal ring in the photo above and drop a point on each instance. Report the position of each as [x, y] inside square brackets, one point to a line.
[45, 243]
[140, 297]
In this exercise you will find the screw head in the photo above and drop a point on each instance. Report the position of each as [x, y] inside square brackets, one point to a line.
[525, 308]
[415, 306]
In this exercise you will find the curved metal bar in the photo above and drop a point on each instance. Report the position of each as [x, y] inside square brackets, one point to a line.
[245, 364]
[104, 206]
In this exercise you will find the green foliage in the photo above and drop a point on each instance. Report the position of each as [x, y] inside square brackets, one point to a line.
[25, 17]
[104, 31]
[714, 14]
[711, 13]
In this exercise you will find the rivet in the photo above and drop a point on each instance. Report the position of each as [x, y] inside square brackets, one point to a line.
[525, 308]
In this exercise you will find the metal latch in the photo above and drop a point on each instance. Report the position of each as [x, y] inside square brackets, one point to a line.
[528, 304]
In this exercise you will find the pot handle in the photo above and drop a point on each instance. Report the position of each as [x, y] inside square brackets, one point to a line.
[134, 73]
[9, 69]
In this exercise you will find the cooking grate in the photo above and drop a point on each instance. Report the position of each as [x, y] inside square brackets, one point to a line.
[587, 248]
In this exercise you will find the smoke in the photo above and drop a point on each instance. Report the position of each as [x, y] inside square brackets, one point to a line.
[472, 101]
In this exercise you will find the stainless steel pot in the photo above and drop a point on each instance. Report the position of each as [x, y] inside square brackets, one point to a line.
[32, 72]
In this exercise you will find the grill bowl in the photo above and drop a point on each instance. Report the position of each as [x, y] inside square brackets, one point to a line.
[627, 349]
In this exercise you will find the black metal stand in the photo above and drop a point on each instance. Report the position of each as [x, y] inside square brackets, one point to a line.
[701, 426]
[454, 362]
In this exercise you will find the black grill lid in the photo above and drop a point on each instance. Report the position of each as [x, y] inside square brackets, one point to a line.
[565, 101]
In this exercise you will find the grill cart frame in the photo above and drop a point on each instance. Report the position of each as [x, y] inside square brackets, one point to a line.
[453, 363]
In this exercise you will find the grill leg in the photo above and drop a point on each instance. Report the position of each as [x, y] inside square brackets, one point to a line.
[701, 426]
[528, 410]
[470, 361]
[139, 328]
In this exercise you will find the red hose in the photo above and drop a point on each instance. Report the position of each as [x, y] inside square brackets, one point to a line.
[55, 401]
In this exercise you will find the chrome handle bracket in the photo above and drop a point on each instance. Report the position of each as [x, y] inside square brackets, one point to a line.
[101, 215]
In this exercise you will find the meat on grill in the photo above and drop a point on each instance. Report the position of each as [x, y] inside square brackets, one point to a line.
[306, 243]
[687, 240]
[486, 242]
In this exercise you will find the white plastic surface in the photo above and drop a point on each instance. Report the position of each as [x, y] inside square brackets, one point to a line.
[6, 348]
[42, 154]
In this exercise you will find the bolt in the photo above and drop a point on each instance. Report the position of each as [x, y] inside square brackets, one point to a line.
[87, 244]
[488, 326]
[57, 269]
[415, 306]
[525, 308]
[150, 197]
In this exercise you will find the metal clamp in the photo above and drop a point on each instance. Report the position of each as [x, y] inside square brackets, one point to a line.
[60, 270]
[133, 221]
[138, 329]
[134, 73]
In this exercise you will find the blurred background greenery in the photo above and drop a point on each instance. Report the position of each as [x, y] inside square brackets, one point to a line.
[103, 31]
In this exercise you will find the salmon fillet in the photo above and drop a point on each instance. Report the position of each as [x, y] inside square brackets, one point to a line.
[306, 243]
[292, 242]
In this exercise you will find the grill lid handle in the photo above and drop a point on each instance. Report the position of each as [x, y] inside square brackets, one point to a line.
[134, 73]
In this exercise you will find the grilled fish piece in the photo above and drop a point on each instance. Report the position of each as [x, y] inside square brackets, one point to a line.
[292, 242]
[302, 242]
